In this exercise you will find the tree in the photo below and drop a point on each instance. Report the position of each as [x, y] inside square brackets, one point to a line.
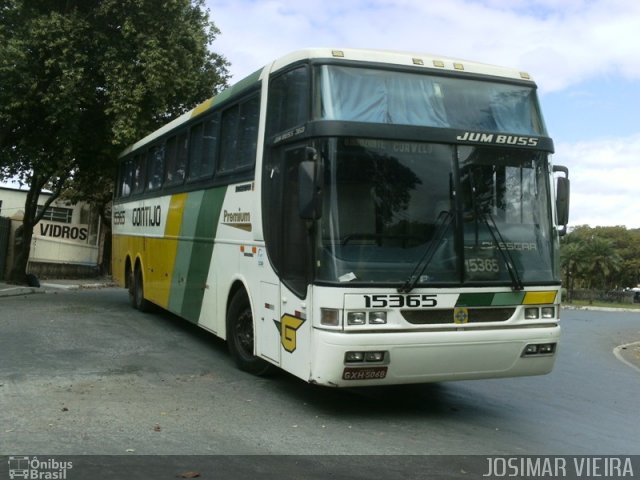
[606, 258]
[571, 262]
[81, 79]
[602, 261]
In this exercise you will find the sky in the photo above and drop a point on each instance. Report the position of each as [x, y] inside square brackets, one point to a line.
[584, 56]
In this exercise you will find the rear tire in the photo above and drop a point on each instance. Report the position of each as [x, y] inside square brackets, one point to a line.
[240, 337]
[136, 292]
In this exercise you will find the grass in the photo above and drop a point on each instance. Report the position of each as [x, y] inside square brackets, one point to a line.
[596, 303]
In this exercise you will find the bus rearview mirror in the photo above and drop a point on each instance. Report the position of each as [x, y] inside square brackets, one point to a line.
[563, 187]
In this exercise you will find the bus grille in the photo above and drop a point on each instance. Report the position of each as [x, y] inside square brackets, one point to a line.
[444, 316]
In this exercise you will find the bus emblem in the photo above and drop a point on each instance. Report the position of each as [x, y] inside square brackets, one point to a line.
[288, 326]
[460, 315]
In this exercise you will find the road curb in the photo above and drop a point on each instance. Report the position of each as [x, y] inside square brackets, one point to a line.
[629, 354]
[8, 290]
[18, 290]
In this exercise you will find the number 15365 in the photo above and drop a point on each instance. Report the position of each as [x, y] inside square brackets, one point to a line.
[400, 301]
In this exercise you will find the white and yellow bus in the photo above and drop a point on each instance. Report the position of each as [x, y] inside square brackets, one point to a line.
[355, 218]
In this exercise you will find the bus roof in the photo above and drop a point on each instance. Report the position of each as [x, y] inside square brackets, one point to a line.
[427, 61]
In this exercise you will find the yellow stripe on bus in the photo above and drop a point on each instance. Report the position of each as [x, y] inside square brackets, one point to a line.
[174, 216]
[162, 252]
[539, 298]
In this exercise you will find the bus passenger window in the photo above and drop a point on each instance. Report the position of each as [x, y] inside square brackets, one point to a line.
[155, 166]
[229, 139]
[209, 147]
[248, 131]
[176, 158]
[126, 177]
[138, 174]
[195, 151]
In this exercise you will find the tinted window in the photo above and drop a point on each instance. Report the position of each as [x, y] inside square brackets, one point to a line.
[195, 150]
[229, 134]
[239, 135]
[248, 131]
[288, 100]
[138, 174]
[126, 174]
[176, 159]
[209, 147]
[155, 167]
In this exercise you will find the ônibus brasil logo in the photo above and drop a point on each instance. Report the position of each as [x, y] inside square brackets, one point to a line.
[35, 469]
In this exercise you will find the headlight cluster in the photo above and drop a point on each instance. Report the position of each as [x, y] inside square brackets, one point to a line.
[533, 313]
[362, 318]
[330, 317]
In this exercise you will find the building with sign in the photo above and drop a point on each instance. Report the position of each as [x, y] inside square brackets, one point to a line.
[65, 243]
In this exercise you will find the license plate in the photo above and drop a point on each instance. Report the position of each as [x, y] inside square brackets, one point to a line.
[364, 373]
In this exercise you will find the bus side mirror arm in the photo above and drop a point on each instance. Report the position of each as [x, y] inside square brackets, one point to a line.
[309, 191]
[563, 187]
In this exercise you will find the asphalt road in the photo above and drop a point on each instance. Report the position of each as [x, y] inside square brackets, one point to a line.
[83, 373]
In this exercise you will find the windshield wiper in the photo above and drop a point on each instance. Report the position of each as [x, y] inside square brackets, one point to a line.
[516, 281]
[442, 226]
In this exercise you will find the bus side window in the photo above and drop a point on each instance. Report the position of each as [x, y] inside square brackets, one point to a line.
[209, 146]
[288, 104]
[239, 135]
[195, 151]
[248, 131]
[176, 159]
[138, 174]
[155, 167]
[126, 174]
[229, 139]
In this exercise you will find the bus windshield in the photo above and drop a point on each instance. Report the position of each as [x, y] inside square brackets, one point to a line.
[404, 98]
[482, 213]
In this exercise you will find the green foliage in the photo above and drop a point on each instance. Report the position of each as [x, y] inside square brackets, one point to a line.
[604, 258]
[81, 79]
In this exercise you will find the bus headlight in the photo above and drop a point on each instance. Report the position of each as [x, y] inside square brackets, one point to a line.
[531, 313]
[548, 312]
[377, 318]
[356, 318]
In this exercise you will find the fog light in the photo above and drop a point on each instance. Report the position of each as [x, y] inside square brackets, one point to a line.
[539, 349]
[377, 318]
[531, 313]
[351, 357]
[546, 348]
[330, 317]
[374, 356]
[548, 312]
[356, 318]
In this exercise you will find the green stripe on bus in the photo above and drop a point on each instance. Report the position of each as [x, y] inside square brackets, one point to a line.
[185, 248]
[508, 298]
[201, 253]
[475, 300]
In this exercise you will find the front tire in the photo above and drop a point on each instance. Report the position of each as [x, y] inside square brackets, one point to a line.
[240, 336]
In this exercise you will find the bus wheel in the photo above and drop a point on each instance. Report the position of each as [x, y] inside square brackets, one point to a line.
[136, 292]
[240, 336]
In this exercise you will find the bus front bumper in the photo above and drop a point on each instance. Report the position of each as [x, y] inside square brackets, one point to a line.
[431, 356]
